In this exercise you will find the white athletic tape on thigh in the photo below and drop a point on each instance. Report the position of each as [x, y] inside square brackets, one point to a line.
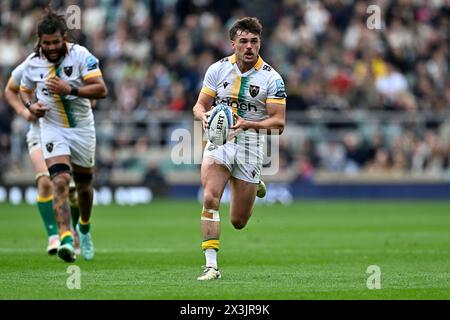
[212, 215]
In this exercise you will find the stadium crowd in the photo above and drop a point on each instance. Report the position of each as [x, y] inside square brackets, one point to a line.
[154, 54]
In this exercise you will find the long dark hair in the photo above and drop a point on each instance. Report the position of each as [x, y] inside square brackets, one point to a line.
[50, 23]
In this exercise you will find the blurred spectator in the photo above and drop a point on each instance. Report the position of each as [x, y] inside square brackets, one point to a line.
[332, 156]
[394, 89]
[380, 164]
[155, 180]
[155, 53]
[356, 154]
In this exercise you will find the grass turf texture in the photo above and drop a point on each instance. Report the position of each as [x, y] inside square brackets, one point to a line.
[309, 250]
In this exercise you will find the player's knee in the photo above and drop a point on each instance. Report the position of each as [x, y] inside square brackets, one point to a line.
[60, 175]
[211, 200]
[82, 178]
[83, 181]
[238, 223]
[61, 183]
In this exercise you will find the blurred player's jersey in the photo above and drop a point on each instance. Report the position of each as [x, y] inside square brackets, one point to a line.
[16, 74]
[33, 135]
[77, 66]
[245, 93]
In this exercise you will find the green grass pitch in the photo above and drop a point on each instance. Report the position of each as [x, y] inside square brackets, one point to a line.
[308, 250]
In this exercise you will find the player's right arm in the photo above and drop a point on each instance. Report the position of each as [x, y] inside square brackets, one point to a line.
[12, 92]
[12, 96]
[207, 95]
[202, 107]
[27, 87]
[37, 109]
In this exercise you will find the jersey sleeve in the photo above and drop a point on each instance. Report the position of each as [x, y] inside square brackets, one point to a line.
[276, 90]
[16, 76]
[26, 83]
[89, 64]
[210, 81]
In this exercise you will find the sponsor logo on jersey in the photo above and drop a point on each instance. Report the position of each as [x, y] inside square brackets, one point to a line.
[225, 84]
[266, 68]
[91, 63]
[254, 90]
[244, 106]
[281, 91]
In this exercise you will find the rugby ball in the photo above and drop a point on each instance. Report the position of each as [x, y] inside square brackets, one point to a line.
[220, 122]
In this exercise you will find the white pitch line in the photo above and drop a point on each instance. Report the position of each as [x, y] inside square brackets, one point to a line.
[134, 250]
[99, 250]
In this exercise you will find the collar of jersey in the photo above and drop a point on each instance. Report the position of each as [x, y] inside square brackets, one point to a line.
[257, 65]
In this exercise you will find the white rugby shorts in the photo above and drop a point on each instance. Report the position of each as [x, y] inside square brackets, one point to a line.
[243, 161]
[34, 137]
[78, 143]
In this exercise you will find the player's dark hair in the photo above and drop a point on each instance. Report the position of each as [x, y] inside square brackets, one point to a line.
[50, 23]
[248, 24]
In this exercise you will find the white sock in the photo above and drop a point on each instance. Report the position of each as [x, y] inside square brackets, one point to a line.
[211, 258]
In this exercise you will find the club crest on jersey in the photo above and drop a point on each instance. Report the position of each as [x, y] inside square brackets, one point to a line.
[68, 70]
[49, 147]
[254, 90]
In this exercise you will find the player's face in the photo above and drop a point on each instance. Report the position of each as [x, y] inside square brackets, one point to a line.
[246, 46]
[52, 46]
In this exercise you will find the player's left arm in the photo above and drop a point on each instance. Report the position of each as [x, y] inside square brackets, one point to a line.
[93, 88]
[274, 124]
[275, 106]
